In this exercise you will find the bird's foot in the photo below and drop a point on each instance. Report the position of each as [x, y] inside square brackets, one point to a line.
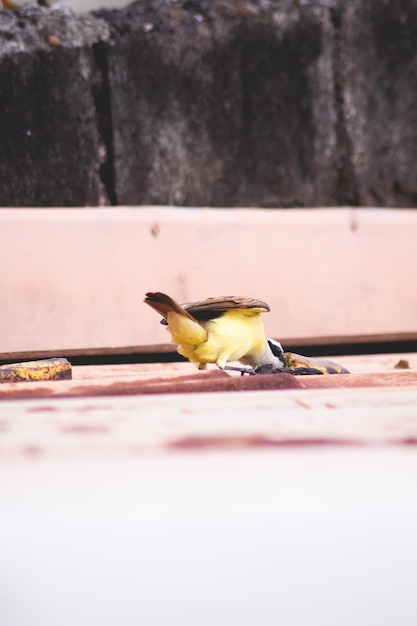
[295, 371]
[242, 370]
[271, 369]
[306, 371]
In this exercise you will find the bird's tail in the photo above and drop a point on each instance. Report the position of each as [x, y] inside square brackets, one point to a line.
[184, 328]
[164, 304]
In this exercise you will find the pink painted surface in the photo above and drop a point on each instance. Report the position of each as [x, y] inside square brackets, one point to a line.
[103, 411]
[75, 278]
[378, 371]
[271, 507]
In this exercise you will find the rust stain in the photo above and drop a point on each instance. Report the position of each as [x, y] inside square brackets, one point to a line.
[302, 404]
[17, 392]
[175, 14]
[85, 429]
[32, 451]
[403, 364]
[216, 380]
[54, 40]
[8, 4]
[42, 409]
[254, 441]
[91, 407]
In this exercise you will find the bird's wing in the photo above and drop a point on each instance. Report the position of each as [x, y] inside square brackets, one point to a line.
[224, 303]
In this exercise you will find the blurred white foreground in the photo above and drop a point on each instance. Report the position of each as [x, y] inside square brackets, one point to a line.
[291, 536]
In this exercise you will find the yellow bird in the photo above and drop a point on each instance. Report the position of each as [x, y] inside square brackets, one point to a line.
[217, 330]
[220, 330]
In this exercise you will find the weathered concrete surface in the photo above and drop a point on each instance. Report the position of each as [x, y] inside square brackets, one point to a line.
[220, 103]
[377, 70]
[51, 150]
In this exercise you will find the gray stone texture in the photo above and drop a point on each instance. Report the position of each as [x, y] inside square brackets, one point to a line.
[223, 103]
[377, 69]
[272, 103]
[50, 147]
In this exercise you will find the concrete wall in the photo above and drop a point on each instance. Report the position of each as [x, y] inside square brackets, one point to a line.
[218, 103]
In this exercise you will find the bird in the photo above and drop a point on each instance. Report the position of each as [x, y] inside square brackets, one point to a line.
[217, 330]
[229, 328]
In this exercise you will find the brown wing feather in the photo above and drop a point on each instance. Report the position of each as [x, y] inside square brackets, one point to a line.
[225, 303]
[164, 304]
